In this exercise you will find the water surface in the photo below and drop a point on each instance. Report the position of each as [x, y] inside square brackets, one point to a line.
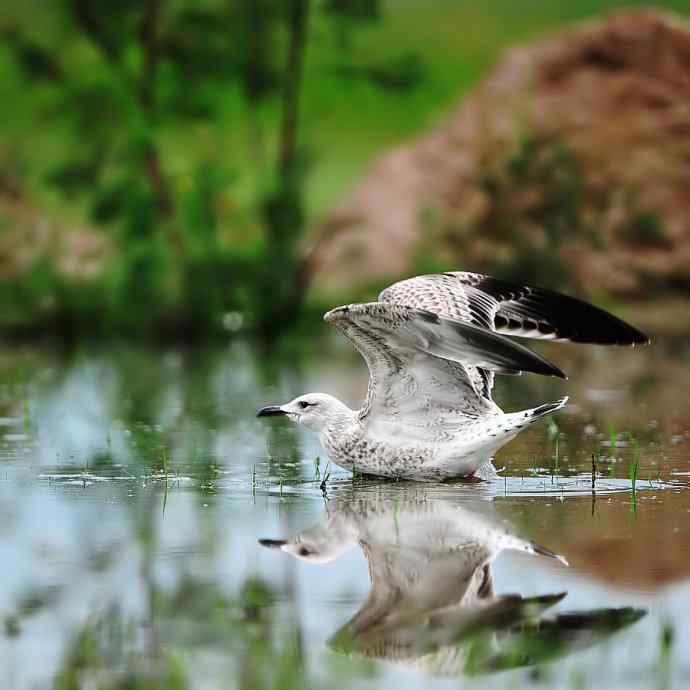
[135, 483]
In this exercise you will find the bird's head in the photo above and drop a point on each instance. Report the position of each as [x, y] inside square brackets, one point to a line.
[313, 410]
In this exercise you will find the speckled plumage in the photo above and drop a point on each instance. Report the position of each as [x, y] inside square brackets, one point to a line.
[425, 416]
[433, 345]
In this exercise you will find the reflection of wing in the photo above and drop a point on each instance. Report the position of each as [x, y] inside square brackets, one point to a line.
[518, 310]
[496, 634]
[445, 641]
[418, 363]
[538, 641]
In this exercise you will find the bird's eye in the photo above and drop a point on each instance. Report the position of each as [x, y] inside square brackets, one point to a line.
[304, 404]
[304, 551]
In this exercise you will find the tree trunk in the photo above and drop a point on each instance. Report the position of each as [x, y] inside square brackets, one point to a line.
[148, 36]
[299, 14]
[282, 294]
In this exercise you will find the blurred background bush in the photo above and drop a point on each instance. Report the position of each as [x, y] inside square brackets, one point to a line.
[189, 169]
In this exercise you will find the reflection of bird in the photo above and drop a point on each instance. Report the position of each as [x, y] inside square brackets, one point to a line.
[432, 345]
[432, 603]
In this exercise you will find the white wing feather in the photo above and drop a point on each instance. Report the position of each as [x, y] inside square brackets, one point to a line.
[418, 365]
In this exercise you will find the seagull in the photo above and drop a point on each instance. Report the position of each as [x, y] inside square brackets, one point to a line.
[433, 345]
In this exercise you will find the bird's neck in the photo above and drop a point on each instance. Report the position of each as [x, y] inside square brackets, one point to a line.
[343, 418]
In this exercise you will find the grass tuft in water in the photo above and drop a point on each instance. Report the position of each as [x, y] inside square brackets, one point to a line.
[552, 429]
[324, 481]
[535, 466]
[26, 415]
[613, 437]
[632, 472]
[634, 466]
[165, 473]
[555, 459]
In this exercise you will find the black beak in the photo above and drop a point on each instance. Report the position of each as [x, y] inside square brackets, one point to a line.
[272, 543]
[270, 411]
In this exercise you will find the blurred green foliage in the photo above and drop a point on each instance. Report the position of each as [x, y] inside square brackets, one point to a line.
[201, 139]
[117, 80]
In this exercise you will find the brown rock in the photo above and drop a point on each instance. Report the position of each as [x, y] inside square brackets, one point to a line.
[569, 164]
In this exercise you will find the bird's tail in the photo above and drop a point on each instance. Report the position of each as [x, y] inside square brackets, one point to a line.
[492, 432]
[513, 422]
[547, 408]
[541, 551]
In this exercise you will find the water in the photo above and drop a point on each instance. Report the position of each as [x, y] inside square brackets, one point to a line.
[134, 485]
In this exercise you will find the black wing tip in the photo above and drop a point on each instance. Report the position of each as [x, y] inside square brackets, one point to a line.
[553, 370]
[614, 332]
[590, 325]
[574, 319]
[596, 326]
[637, 338]
[540, 365]
[548, 369]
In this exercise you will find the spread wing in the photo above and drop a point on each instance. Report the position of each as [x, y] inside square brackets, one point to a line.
[517, 310]
[418, 366]
[520, 310]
